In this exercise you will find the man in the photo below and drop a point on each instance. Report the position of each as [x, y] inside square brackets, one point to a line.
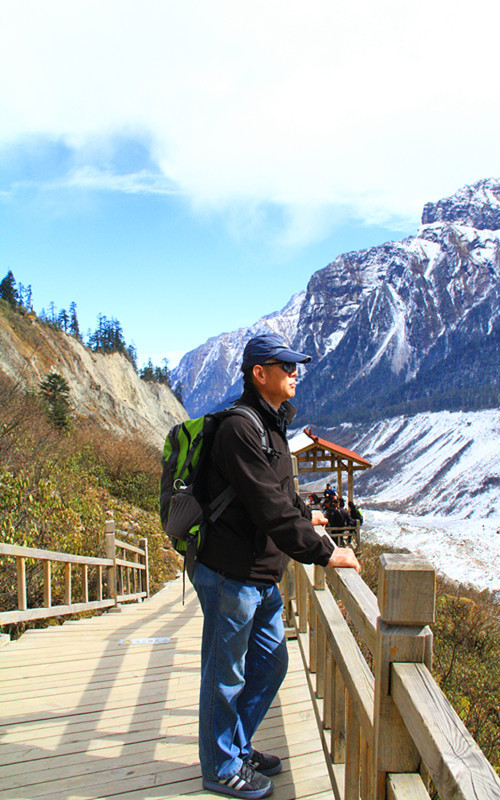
[329, 493]
[244, 656]
[335, 516]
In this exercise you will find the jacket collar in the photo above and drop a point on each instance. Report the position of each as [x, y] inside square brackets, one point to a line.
[279, 419]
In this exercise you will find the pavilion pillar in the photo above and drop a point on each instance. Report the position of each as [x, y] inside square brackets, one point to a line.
[339, 478]
[350, 482]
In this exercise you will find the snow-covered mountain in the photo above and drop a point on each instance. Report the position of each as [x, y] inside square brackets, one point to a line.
[210, 375]
[404, 327]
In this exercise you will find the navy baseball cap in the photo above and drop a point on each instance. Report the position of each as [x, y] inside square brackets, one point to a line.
[269, 345]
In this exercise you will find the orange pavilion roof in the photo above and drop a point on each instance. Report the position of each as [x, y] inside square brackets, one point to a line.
[343, 452]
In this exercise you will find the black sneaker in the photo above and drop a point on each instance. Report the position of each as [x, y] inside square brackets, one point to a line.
[246, 783]
[265, 763]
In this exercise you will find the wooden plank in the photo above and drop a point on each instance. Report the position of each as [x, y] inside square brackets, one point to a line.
[7, 617]
[406, 786]
[359, 601]
[123, 598]
[130, 547]
[456, 764]
[353, 754]
[51, 555]
[355, 672]
[338, 718]
[121, 562]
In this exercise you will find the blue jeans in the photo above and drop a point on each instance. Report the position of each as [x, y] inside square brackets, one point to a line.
[243, 662]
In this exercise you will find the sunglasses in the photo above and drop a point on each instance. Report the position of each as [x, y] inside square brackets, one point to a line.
[287, 366]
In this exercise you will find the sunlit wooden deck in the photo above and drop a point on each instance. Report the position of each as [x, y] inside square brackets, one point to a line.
[84, 716]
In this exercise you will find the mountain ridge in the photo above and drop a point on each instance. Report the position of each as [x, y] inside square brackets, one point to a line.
[381, 322]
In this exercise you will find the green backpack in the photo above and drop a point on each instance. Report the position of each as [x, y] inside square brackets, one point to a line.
[185, 508]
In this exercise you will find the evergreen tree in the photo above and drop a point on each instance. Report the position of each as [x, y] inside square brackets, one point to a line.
[147, 372]
[74, 327]
[8, 290]
[178, 392]
[54, 390]
[108, 336]
[28, 298]
[156, 374]
[131, 354]
[63, 320]
[52, 316]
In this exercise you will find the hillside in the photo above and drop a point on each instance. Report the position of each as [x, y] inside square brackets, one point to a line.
[103, 387]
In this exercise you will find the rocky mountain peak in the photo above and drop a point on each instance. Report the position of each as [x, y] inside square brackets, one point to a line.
[477, 205]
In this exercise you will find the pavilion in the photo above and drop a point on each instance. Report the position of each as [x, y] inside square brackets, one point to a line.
[314, 454]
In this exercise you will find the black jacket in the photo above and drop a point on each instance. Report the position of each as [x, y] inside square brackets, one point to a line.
[266, 519]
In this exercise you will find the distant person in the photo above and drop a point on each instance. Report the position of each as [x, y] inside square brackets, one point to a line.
[355, 513]
[348, 521]
[334, 515]
[329, 492]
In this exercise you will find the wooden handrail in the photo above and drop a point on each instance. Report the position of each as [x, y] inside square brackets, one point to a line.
[127, 580]
[442, 738]
[383, 731]
[50, 555]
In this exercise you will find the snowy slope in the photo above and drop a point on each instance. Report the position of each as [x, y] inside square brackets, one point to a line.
[433, 463]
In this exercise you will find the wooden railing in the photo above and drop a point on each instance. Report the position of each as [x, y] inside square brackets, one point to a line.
[384, 731]
[349, 535]
[119, 578]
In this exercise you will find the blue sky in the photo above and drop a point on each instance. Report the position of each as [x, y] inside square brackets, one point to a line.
[185, 168]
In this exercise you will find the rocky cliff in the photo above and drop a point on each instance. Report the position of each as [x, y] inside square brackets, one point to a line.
[105, 388]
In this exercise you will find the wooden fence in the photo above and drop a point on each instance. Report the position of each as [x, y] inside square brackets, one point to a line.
[347, 536]
[384, 731]
[120, 577]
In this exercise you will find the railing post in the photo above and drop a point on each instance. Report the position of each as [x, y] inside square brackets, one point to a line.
[111, 553]
[301, 590]
[144, 544]
[47, 584]
[406, 597]
[22, 599]
[67, 584]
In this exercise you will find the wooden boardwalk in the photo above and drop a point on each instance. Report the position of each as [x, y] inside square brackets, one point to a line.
[85, 715]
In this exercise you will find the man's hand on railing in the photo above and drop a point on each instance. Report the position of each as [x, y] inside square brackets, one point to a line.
[344, 557]
[318, 518]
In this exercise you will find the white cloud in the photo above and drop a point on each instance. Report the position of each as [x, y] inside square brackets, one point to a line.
[143, 182]
[369, 107]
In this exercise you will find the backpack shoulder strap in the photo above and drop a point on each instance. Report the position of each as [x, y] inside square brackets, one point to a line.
[221, 502]
[249, 412]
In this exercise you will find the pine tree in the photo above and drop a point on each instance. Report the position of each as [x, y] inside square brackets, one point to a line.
[178, 392]
[74, 327]
[131, 354]
[8, 290]
[63, 320]
[54, 390]
[147, 373]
